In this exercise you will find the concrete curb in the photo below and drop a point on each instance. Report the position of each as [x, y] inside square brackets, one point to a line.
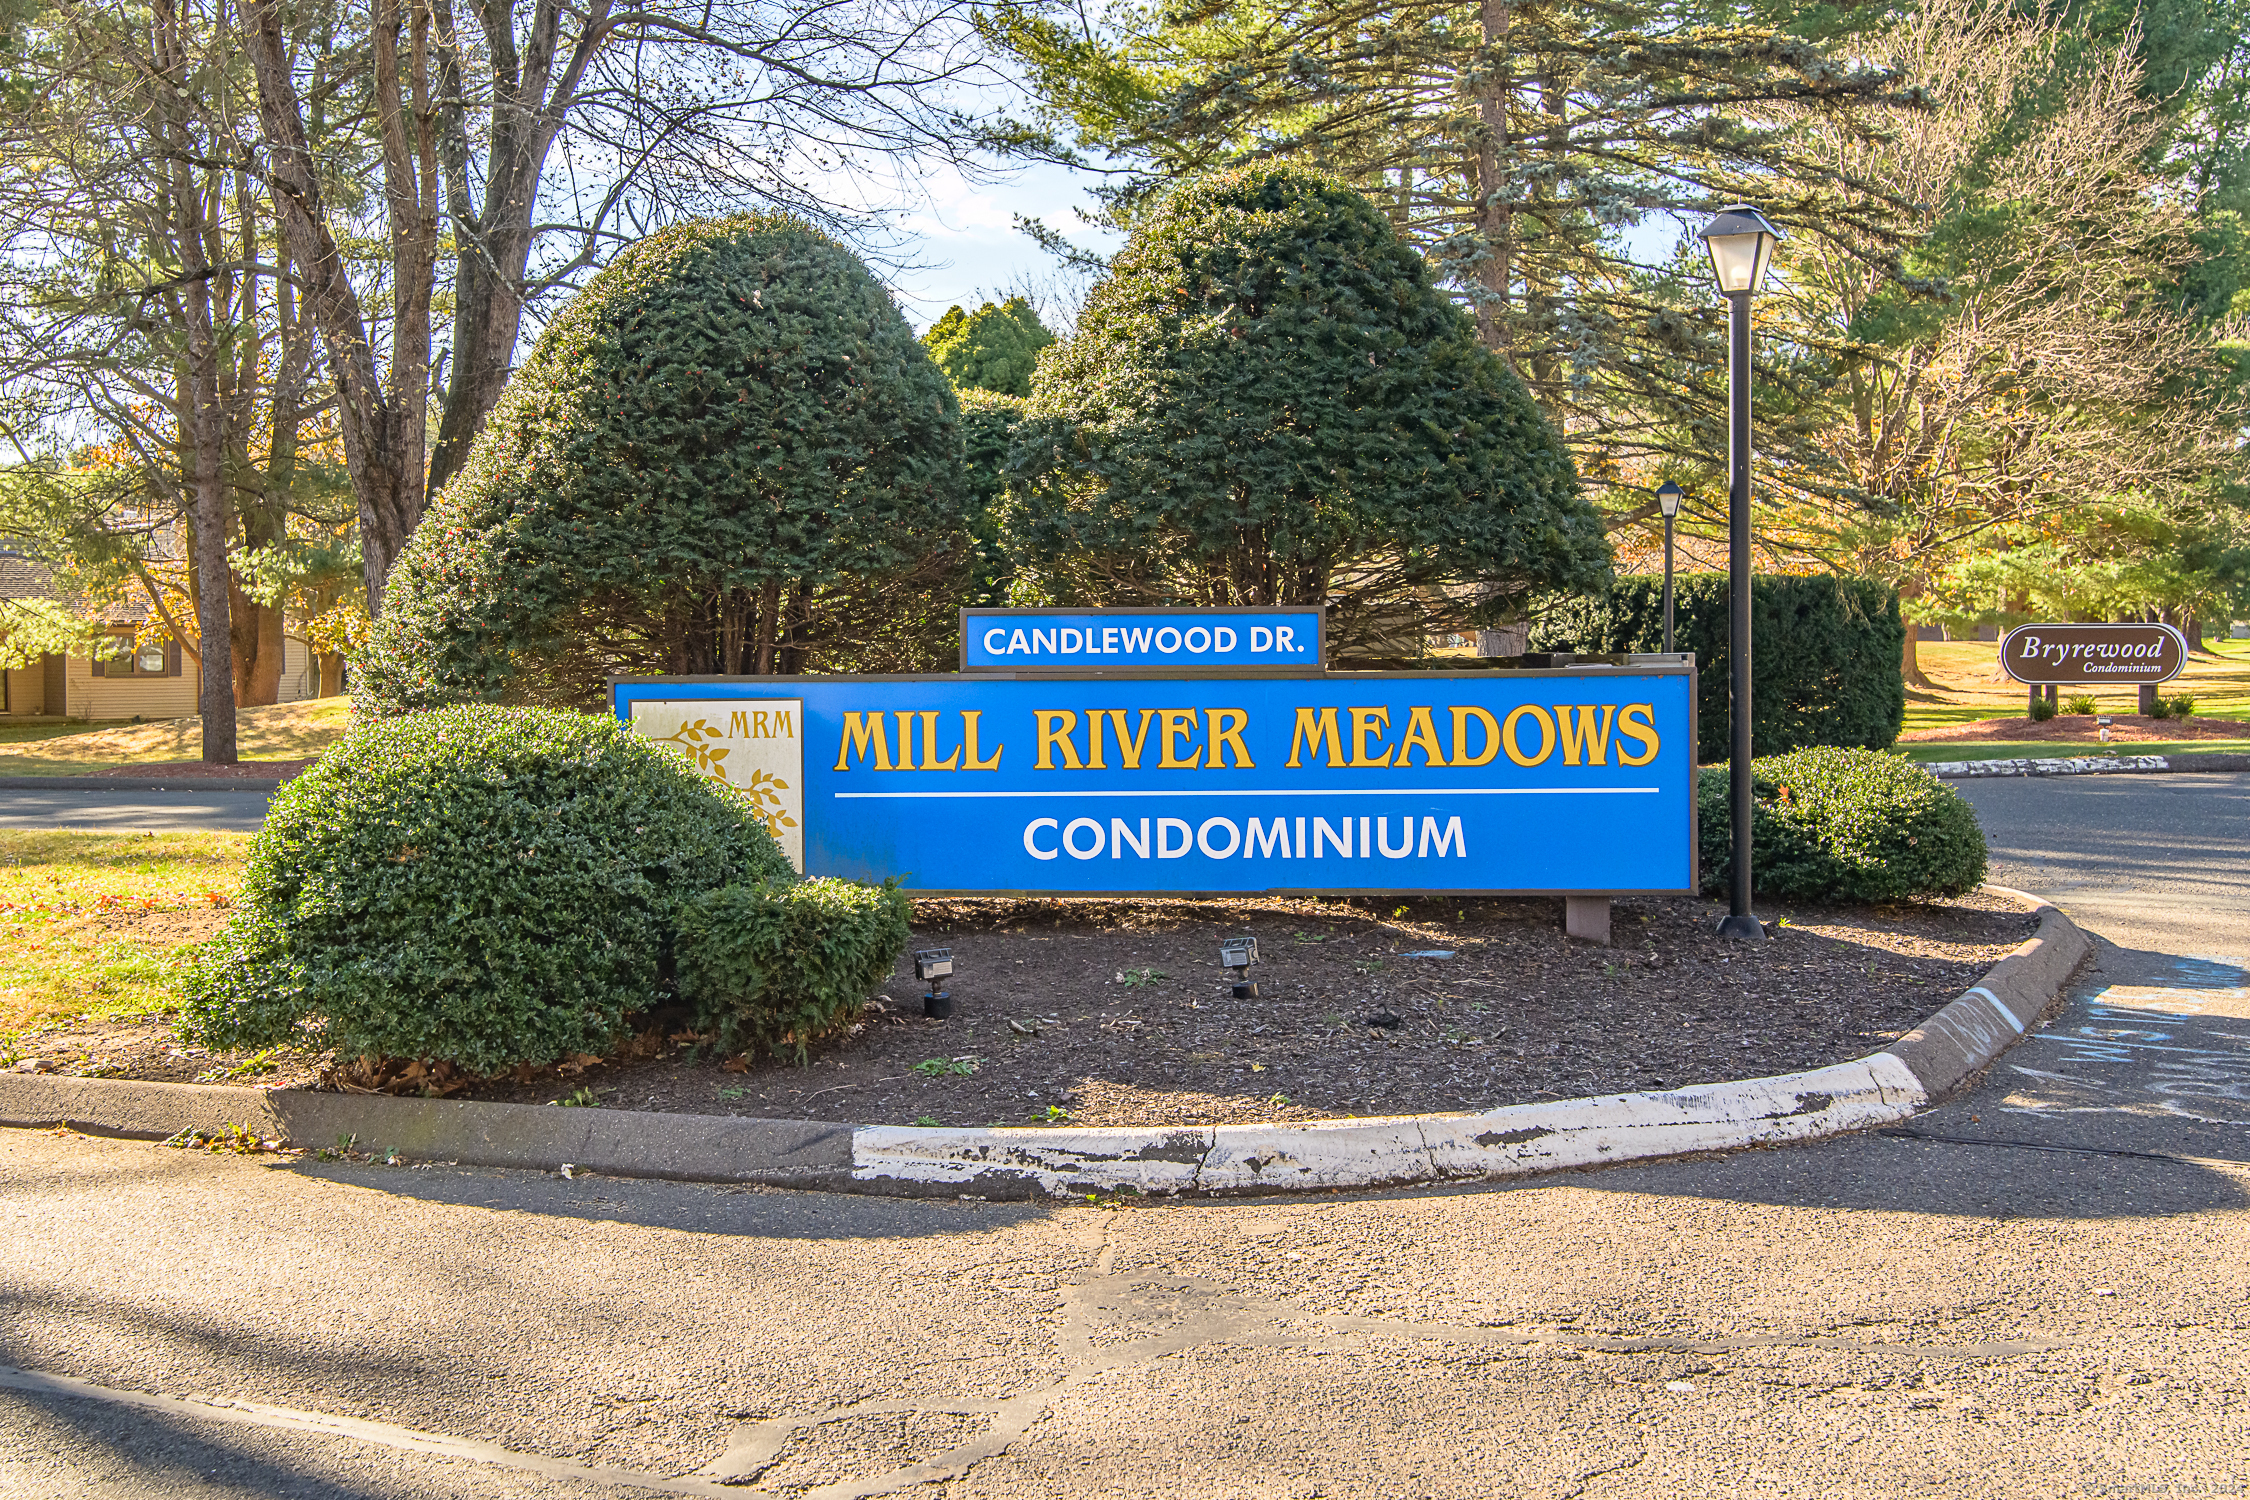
[76, 782]
[2083, 765]
[1881, 1088]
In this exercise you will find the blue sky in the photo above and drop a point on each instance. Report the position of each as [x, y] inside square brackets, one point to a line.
[963, 242]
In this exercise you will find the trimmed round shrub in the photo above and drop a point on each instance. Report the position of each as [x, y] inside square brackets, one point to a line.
[1269, 401]
[778, 965]
[716, 460]
[480, 886]
[1831, 823]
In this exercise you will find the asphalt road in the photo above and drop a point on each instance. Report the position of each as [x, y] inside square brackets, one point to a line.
[110, 810]
[2037, 1289]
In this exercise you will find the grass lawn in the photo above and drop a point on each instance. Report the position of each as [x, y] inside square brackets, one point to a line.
[1925, 750]
[1968, 685]
[284, 731]
[87, 920]
[15, 733]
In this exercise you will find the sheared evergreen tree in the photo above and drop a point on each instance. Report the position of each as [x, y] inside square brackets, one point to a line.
[1270, 402]
[1511, 142]
[726, 455]
[988, 428]
[991, 349]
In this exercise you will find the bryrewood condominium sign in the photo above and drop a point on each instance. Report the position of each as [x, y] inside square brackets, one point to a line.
[1110, 640]
[2120, 655]
[1574, 780]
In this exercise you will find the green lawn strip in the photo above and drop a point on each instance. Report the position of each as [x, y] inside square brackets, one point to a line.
[284, 731]
[1944, 715]
[24, 734]
[81, 929]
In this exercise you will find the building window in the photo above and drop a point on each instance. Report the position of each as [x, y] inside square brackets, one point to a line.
[149, 660]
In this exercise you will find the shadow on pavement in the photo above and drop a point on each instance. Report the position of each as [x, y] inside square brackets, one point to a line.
[154, 1453]
[1921, 1170]
[1875, 1173]
[694, 1207]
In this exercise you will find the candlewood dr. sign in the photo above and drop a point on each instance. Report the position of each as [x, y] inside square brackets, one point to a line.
[1574, 780]
[1112, 640]
[2121, 655]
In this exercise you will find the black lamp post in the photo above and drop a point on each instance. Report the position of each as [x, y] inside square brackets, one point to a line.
[1741, 243]
[1668, 496]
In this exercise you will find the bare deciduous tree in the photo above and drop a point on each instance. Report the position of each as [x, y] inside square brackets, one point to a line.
[144, 318]
[648, 111]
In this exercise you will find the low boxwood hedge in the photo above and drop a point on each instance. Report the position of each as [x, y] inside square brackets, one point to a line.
[1836, 824]
[481, 886]
[781, 965]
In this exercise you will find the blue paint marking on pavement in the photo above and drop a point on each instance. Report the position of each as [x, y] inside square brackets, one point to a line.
[2172, 1046]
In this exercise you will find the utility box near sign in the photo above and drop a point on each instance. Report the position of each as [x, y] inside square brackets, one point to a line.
[1572, 779]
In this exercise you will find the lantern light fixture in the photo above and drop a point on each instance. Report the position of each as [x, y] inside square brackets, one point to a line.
[1741, 241]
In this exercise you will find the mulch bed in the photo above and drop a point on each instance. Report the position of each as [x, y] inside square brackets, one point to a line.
[1114, 1012]
[2082, 728]
[203, 770]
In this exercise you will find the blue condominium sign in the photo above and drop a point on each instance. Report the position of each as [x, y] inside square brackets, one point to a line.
[1574, 780]
[1014, 640]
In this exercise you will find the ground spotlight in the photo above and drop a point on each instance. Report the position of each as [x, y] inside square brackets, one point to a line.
[1238, 954]
[930, 966]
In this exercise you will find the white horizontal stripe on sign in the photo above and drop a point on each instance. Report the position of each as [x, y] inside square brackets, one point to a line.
[1388, 791]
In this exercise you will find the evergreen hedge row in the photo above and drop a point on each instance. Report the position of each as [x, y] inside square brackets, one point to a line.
[1824, 664]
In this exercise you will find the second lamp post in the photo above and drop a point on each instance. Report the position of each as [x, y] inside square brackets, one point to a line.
[1741, 243]
[1668, 500]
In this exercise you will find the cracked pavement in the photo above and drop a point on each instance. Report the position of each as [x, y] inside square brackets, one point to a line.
[2036, 1288]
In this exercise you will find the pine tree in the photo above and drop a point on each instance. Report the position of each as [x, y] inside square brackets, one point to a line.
[1511, 142]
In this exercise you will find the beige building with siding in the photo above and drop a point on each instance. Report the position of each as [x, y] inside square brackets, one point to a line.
[157, 681]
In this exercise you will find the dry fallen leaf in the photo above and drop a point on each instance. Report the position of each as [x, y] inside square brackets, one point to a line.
[736, 1065]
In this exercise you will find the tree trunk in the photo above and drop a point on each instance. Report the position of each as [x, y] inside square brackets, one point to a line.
[532, 90]
[487, 316]
[255, 635]
[1494, 195]
[383, 437]
[331, 673]
[202, 435]
[769, 625]
[1910, 665]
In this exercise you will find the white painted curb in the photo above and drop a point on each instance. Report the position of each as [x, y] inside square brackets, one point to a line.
[1879, 1089]
[1507, 1142]
[2073, 765]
